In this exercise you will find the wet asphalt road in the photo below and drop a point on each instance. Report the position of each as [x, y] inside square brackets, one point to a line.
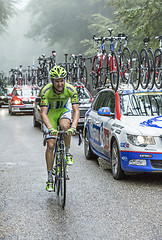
[97, 207]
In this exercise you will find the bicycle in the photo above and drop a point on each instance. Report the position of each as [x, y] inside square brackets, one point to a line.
[60, 169]
[42, 71]
[135, 69]
[73, 69]
[52, 60]
[99, 65]
[144, 66]
[124, 56]
[13, 76]
[82, 69]
[158, 64]
[151, 74]
[109, 67]
[65, 65]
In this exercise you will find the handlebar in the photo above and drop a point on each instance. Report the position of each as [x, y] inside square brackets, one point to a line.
[64, 133]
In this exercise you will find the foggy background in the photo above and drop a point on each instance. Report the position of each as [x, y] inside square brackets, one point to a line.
[63, 26]
[15, 48]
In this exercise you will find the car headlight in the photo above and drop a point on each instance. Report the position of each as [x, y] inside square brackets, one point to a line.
[139, 140]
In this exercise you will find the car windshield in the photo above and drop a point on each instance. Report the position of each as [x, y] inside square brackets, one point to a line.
[83, 93]
[27, 92]
[141, 104]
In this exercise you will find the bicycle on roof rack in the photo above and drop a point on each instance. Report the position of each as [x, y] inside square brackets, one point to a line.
[124, 58]
[158, 63]
[42, 71]
[151, 68]
[105, 67]
[82, 69]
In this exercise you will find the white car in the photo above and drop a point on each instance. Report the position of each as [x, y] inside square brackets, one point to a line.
[125, 128]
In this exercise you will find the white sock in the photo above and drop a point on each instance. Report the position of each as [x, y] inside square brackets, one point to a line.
[67, 149]
[50, 174]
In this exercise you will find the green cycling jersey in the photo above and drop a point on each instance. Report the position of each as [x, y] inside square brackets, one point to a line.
[58, 104]
[53, 100]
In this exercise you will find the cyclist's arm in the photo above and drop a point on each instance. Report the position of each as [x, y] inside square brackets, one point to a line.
[45, 117]
[44, 106]
[75, 120]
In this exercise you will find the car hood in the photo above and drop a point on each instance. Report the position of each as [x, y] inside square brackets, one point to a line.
[27, 98]
[146, 125]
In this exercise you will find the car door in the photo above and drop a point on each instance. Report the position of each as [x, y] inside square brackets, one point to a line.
[100, 126]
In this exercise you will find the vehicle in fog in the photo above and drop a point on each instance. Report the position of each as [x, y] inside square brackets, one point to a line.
[22, 99]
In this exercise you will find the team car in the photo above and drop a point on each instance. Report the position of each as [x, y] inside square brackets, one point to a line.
[125, 129]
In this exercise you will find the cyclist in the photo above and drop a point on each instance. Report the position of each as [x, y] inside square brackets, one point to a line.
[55, 110]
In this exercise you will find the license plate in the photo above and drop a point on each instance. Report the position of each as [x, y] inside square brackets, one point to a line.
[29, 106]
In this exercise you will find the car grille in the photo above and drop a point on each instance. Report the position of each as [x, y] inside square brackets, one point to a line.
[82, 113]
[27, 102]
[156, 163]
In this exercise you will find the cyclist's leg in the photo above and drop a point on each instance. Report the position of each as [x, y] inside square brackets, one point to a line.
[65, 125]
[51, 142]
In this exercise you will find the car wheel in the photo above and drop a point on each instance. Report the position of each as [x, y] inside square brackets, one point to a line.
[35, 123]
[117, 171]
[87, 148]
[10, 112]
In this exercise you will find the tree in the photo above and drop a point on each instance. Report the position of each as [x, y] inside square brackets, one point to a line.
[7, 9]
[138, 19]
[64, 22]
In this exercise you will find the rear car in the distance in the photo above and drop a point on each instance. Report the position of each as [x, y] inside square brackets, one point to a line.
[3, 98]
[22, 99]
[85, 101]
[125, 129]
[5, 95]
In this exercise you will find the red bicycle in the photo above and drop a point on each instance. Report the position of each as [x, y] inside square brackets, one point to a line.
[105, 67]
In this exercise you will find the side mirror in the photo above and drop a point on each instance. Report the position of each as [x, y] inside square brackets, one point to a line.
[105, 111]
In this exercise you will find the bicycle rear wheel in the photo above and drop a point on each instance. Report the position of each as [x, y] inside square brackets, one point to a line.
[152, 69]
[135, 69]
[94, 72]
[103, 71]
[63, 177]
[114, 71]
[144, 68]
[158, 68]
[126, 65]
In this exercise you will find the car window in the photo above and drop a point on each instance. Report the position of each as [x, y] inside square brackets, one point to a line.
[83, 93]
[141, 104]
[105, 99]
[26, 92]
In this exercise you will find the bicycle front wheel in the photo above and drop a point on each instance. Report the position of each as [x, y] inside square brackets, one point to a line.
[94, 72]
[126, 65]
[114, 71]
[158, 68]
[152, 69]
[135, 69]
[63, 178]
[144, 68]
